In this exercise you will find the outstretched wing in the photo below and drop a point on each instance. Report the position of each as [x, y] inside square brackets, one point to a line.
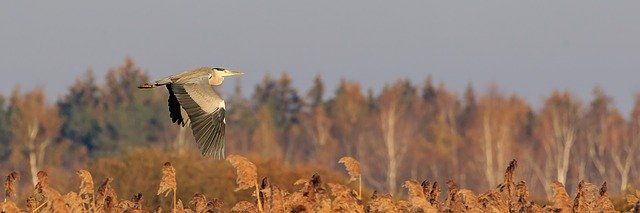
[175, 111]
[206, 114]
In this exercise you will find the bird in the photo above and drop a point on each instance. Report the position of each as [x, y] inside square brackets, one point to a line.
[193, 102]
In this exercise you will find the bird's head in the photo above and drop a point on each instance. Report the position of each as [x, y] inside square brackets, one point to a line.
[222, 72]
[216, 75]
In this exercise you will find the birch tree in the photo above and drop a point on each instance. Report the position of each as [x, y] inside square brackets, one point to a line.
[35, 124]
[557, 130]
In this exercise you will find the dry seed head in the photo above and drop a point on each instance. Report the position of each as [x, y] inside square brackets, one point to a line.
[561, 199]
[86, 183]
[415, 189]
[124, 206]
[9, 207]
[345, 199]
[417, 198]
[10, 184]
[604, 202]
[106, 197]
[633, 198]
[43, 179]
[301, 181]
[587, 198]
[352, 166]
[199, 201]
[244, 206]
[73, 201]
[179, 206]
[277, 200]
[245, 170]
[382, 203]
[32, 203]
[168, 181]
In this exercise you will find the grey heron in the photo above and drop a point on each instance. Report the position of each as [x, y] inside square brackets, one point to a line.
[193, 102]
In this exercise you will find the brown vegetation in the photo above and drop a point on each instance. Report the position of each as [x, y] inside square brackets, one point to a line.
[314, 195]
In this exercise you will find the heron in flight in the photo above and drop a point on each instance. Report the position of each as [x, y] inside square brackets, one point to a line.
[193, 102]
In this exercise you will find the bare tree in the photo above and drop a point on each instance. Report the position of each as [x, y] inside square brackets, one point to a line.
[625, 145]
[597, 121]
[35, 124]
[557, 130]
[497, 125]
[395, 110]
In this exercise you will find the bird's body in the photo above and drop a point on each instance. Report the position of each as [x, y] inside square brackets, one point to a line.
[193, 102]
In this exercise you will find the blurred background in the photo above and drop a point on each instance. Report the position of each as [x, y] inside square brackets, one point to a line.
[414, 90]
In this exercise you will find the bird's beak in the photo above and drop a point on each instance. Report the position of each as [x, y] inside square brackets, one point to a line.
[231, 72]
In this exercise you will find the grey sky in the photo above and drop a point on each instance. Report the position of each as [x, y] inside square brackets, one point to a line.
[528, 48]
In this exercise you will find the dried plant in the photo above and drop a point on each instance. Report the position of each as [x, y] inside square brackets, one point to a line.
[73, 202]
[509, 176]
[49, 198]
[43, 179]
[494, 200]
[453, 189]
[180, 206]
[214, 205]
[168, 182]
[561, 200]
[466, 201]
[277, 202]
[355, 172]
[199, 201]
[352, 166]
[633, 199]
[587, 198]
[434, 195]
[510, 196]
[10, 185]
[106, 197]
[9, 207]
[604, 203]
[247, 175]
[137, 201]
[86, 189]
[32, 204]
[244, 206]
[344, 199]
[381, 203]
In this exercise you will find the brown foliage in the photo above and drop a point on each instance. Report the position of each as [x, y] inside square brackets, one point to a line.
[244, 206]
[561, 200]
[10, 184]
[9, 207]
[199, 201]
[345, 199]
[106, 198]
[312, 197]
[352, 166]
[381, 204]
[74, 202]
[604, 203]
[168, 181]
[417, 198]
[587, 198]
[247, 173]
[86, 189]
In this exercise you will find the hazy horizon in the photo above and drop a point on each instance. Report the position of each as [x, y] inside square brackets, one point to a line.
[527, 48]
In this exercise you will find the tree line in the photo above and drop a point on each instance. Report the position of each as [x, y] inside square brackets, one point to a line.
[406, 132]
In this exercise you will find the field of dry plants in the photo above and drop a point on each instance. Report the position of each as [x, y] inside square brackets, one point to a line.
[312, 195]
